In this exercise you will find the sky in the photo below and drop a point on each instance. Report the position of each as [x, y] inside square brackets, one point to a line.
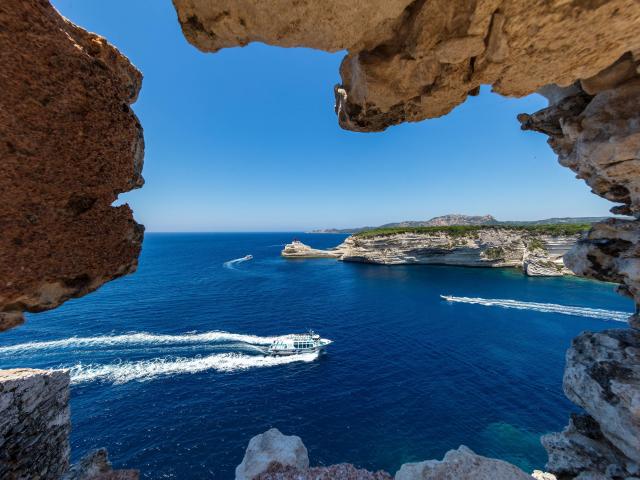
[246, 139]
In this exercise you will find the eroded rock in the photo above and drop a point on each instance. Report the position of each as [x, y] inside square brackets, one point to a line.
[581, 447]
[297, 249]
[603, 377]
[461, 464]
[535, 252]
[272, 447]
[342, 471]
[34, 424]
[70, 144]
[611, 252]
[411, 60]
[598, 137]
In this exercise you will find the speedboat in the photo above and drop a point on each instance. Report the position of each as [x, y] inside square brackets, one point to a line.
[247, 257]
[298, 343]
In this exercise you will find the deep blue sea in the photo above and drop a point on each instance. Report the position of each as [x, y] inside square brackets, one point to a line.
[168, 375]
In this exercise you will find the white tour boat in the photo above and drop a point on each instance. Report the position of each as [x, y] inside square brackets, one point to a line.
[298, 343]
[247, 257]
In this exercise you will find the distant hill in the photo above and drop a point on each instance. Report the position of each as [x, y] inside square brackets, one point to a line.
[457, 219]
[446, 221]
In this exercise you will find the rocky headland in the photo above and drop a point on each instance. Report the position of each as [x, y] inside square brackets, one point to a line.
[537, 250]
[406, 61]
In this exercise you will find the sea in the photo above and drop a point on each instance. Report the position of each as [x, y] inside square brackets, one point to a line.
[168, 372]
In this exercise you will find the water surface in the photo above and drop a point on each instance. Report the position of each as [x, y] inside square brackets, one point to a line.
[168, 373]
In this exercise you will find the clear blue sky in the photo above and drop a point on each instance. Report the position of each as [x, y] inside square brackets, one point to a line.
[247, 139]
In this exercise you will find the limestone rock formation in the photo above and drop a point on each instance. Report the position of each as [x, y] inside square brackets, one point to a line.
[540, 475]
[34, 424]
[342, 471]
[461, 464]
[70, 144]
[273, 456]
[272, 447]
[611, 252]
[412, 60]
[596, 133]
[297, 249]
[582, 448]
[537, 254]
[603, 377]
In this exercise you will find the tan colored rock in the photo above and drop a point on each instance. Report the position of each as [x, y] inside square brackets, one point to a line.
[272, 447]
[461, 464]
[331, 25]
[408, 61]
[460, 49]
[70, 144]
[624, 69]
[540, 475]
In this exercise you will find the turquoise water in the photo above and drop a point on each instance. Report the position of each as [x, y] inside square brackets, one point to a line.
[168, 375]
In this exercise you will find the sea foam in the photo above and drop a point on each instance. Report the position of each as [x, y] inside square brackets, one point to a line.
[230, 264]
[138, 339]
[598, 313]
[144, 370]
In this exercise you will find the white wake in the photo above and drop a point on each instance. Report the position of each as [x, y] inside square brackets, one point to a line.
[144, 370]
[598, 313]
[148, 339]
[233, 262]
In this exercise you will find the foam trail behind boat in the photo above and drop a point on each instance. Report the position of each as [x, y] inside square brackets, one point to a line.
[231, 263]
[138, 339]
[144, 370]
[598, 313]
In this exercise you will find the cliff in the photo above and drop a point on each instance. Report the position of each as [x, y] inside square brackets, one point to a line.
[274, 456]
[537, 250]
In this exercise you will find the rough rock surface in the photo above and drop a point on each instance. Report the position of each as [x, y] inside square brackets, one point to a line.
[594, 127]
[273, 456]
[610, 252]
[34, 424]
[342, 471]
[598, 137]
[581, 447]
[461, 464]
[603, 377]
[297, 249]
[540, 475]
[411, 60]
[272, 447]
[536, 254]
[69, 144]
[96, 466]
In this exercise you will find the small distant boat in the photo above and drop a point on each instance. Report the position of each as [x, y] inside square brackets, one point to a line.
[298, 343]
[247, 257]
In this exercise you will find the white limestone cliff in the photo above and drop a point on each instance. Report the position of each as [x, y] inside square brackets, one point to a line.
[537, 254]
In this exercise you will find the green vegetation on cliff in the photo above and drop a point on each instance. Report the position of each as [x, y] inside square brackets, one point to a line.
[465, 230]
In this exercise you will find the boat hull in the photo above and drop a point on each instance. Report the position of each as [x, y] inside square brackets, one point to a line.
[299, 351]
